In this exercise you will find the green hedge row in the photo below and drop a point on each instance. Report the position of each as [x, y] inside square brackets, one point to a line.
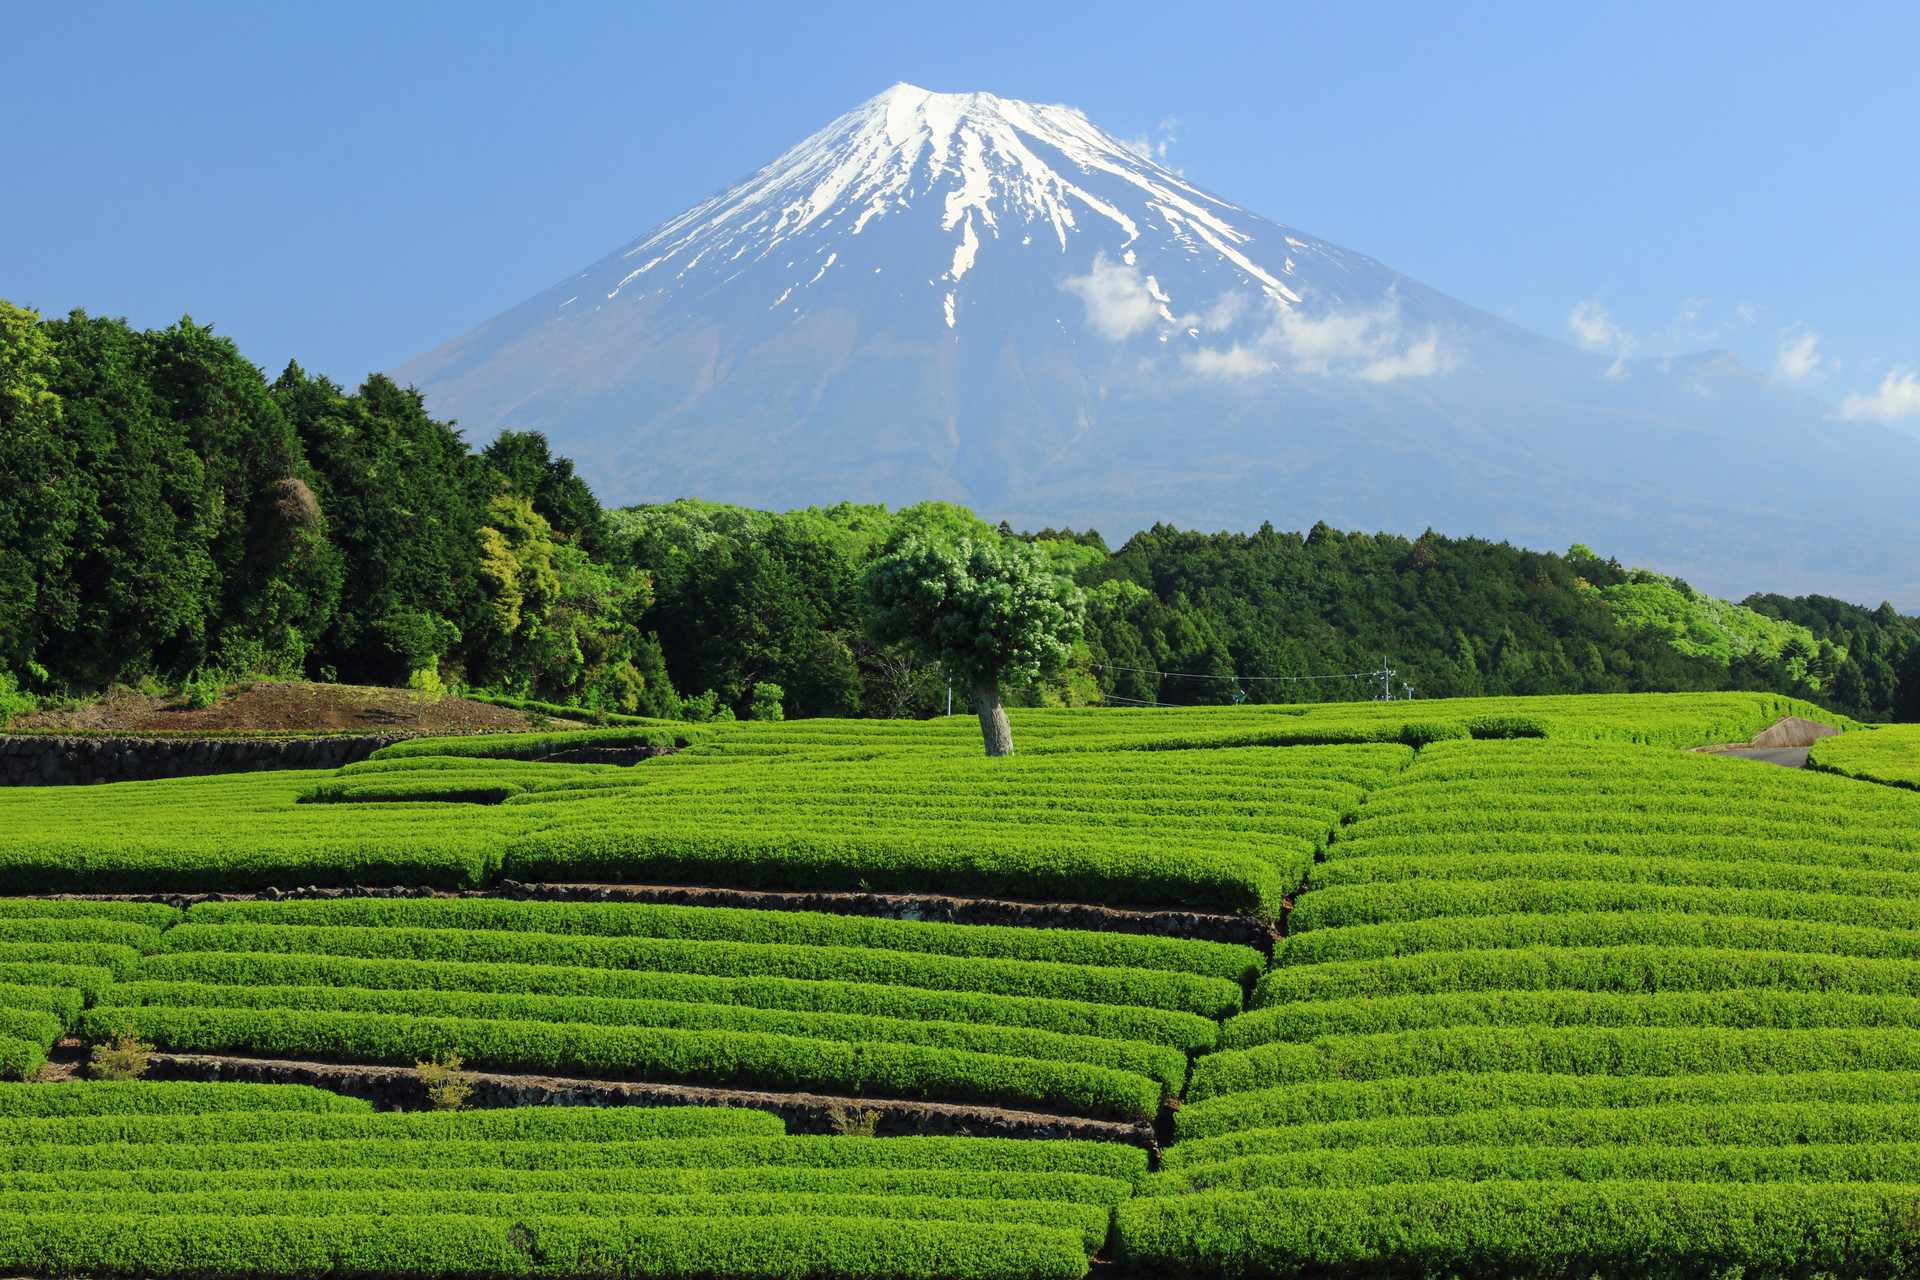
[1648, 1051]
[1378, 1166]
[1889, 755]
[21, 1059]
[1623, 969]
[115, 959]
[1619, 818]
[63, 1003]
[154, 1097]
[1858, 851]
[1089, 1222]
[1650, 786]
[183, 862]
[1177, 826]
[509, 1124]
[1409, 900]
[95, 929]
[440, 788]
[222, 1248]
[87, 979]
[1783, 1124]
[1507, 1230]
[37, 1025]
[1162, 1063]
[212, 1184]
[1296, 731]
[1774, 874]
[1102, 1159]
[1154, 988]
[730, 1059]
[533, 746]
[1453, 1092]
[155, 914]
[1185, 1031]
[986, 863]
[1593, 929]
[453, 778]
[1740, 1008]
[1236, 964]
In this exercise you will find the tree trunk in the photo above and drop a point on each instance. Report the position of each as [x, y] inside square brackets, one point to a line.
[994, 728]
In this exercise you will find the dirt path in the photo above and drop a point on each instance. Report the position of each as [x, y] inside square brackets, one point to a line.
[292, 706]
[1787, 757]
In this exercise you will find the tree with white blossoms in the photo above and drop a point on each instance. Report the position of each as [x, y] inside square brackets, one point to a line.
[992, 613]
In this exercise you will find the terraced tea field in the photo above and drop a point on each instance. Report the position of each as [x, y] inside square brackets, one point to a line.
[1547, 995]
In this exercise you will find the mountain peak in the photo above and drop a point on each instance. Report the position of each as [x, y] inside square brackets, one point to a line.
[995, 173]
[994, 302]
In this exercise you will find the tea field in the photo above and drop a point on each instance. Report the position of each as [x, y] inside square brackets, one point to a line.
[1547, 995]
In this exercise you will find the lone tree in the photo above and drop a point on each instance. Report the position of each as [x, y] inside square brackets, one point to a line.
[990, 613]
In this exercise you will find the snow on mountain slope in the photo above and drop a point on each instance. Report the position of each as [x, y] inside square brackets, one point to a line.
[998, 303]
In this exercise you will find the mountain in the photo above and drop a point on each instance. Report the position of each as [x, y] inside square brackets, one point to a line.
[998, 303]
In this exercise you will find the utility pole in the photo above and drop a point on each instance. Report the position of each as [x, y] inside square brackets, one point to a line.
[949, 695]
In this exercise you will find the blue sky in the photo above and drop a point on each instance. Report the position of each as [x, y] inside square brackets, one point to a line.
[349, 185]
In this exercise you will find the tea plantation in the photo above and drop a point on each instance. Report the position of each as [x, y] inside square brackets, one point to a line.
[1541, 993]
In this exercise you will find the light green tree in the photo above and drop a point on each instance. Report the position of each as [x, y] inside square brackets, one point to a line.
[990, 612]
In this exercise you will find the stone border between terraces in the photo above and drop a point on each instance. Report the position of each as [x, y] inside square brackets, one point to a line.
[397, 1088]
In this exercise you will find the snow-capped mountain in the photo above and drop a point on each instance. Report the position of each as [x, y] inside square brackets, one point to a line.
[998, 303]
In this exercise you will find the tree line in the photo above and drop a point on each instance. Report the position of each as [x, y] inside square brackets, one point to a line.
[172, 515]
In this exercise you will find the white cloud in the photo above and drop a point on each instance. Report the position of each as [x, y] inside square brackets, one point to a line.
[1365, 343]
[1122, 300]
[1117, 300]
[1898, 397]
[1798, 356]
[1145, 146]
[1345, 336]
[1235, 362]
[1420, 360]
[1226, 311]
[1595, 328]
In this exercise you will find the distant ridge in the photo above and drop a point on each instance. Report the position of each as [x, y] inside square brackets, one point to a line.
[997, 303]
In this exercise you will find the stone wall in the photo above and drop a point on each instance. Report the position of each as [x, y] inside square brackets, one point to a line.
[38, 760]
[400, 1088]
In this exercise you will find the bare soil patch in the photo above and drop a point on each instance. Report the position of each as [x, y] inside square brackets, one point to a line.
[293, 706]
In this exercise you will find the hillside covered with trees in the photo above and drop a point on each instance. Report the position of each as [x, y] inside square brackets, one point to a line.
[174, 517]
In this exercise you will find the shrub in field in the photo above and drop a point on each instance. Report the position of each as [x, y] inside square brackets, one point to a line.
[124, 1057]
[448, 1087]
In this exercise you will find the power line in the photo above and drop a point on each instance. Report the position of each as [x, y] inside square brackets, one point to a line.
[1136, 702]
[1385, 676]
[1181, 675]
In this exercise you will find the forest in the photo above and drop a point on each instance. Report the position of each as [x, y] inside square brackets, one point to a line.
[175, 519]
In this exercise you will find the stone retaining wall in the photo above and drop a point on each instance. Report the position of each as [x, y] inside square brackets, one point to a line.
[401, 1088]
[39, 760]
